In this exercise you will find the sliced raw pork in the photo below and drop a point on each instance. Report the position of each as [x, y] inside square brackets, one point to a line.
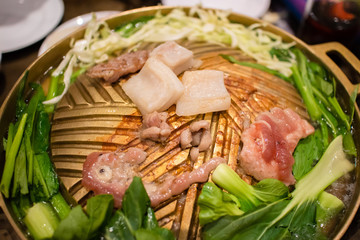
[112, 173]
[154, 88]
[269, 142]
[204, 92]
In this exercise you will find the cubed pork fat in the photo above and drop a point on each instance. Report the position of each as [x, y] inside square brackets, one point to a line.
[204, 92]
[176, 57]
[154, 88]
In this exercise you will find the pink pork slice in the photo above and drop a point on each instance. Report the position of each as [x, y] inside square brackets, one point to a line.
[112, 173]
[269, 142]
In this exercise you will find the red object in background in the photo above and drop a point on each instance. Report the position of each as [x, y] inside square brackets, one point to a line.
[332, 20]
[337, 10]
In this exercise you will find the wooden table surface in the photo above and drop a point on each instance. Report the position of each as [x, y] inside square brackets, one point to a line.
[14, 63]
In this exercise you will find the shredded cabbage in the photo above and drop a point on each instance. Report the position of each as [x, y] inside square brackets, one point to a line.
[200, 25]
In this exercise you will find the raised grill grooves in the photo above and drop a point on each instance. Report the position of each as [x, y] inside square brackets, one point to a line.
[97, 117]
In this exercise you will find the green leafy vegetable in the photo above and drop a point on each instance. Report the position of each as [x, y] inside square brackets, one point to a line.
[339, 112]
[32, 110]
[281, 54]
[306, 93]
[283, 219]
[77, 73]
[215, 203]
[246, 226]
[250, 196]
[150, 221]
[39, 190]
[52, 92]
[20, 177]
[353, 102]
[28, 168]
[299, 222]
[41, 133]
[349, 145]
[154, 234]
[20, 206]
[11, 133]
[134, 210]
[99, 209]
[307, 153]
[136, 220]
[319, 79]
[99, 219]
[74, 226]
[46, 175]
[78, 225]
[20, 104]
[10, 161]
[118, 227]
[332, 165]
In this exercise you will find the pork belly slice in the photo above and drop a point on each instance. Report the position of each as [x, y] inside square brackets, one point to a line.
[204, 92]
[112, 173]
[154, 88]
[269, 142]
[176, 57]
[117, 67]
[155, 127]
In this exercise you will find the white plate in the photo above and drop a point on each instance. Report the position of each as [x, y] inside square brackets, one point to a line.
[251, 8]
[24, 22]
[70, 26]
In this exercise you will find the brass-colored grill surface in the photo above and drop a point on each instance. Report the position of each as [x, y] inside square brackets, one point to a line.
[97, 117]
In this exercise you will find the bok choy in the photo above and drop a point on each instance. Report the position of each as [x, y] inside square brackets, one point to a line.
[287, 217]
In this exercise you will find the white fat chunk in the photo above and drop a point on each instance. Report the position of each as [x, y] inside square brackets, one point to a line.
[154, 88]
[174, 56]
[204, 92]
